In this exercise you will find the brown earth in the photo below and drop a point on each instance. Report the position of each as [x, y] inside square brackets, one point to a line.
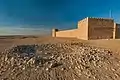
[70, 59]
[8, 41]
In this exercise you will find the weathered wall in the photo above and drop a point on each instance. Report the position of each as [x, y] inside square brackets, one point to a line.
[114, 31]
[83, 29]
[54, 32]
[81, 32]
[92, 28]
[117, 34]
[100, 28]
[67, 33]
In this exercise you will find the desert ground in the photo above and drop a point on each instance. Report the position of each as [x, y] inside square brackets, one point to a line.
[8, 41]
[47, 58]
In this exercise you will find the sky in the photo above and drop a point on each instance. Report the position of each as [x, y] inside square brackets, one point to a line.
[40, 16]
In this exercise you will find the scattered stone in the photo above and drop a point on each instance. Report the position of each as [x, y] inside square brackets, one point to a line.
[47, 69]
[58, 61]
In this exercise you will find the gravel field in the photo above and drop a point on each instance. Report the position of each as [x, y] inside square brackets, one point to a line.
[59, 61]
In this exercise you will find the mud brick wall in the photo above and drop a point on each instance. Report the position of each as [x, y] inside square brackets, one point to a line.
[54, 32]
[67, 33]
[92, 28]
[83, 29]
[117, 34]
[114, 31]
[99, 28]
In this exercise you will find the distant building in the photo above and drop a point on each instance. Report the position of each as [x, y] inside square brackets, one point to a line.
[92, 28]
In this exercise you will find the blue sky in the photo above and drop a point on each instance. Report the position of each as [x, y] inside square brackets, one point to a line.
[40, 16]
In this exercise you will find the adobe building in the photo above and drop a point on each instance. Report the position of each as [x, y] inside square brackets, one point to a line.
[92, 28]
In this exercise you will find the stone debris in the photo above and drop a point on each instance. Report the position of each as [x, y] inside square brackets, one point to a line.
[58, 61]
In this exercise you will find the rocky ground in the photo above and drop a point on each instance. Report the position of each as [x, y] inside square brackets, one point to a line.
[58, 61]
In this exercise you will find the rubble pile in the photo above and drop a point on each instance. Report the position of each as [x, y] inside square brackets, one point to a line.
[58, 61]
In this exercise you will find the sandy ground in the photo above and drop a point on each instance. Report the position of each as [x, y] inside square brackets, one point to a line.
[6, 42]
[9, 41]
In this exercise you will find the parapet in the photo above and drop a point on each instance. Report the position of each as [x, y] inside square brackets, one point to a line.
[55, 30]
[83, 19]
[100, 18]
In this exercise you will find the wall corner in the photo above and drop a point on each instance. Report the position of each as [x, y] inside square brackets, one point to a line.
[114, 31]
[54, 32]
[87, 28]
